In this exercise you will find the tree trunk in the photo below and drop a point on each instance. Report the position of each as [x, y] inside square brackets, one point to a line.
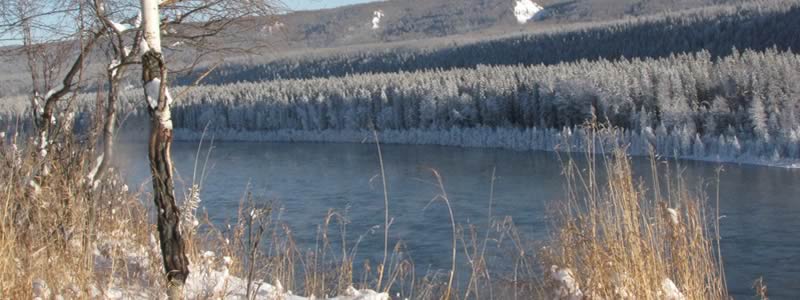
[154, 77]
[159, 148]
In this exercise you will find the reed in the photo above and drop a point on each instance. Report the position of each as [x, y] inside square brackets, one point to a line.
[613, 237]
[617, 237]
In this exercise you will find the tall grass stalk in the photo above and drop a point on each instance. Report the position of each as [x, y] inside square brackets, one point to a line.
[382, 267]
[614, 238]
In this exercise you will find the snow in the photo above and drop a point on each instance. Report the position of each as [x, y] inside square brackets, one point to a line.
[525, 10]
[113, 66]
[16, 154]
[376, 19]
[137, 22]
[43, 144]
[153, 90]
[93, 173]
[568, 287]
[52, 91]
[209, 278]
[36, 188]
[273, 27]
[673, 215]
[669, 291]
[206, 281]
[120, 28]
[144, 46]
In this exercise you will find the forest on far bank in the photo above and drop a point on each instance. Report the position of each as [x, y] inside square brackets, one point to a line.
[735, 97]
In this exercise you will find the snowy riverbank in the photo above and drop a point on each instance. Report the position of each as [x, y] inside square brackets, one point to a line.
[721, 149]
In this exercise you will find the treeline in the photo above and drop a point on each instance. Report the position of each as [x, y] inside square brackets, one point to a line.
[752, 97]
[744, 105]
[757, 25]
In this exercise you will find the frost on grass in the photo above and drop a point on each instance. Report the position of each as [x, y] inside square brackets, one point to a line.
[189, 210]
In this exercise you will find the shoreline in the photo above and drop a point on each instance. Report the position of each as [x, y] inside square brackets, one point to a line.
[488, 138]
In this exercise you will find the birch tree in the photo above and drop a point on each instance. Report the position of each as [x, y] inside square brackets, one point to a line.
[215, 17]
[134, 33]
[154, 78]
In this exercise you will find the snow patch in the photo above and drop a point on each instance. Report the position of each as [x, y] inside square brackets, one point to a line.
[52, 91]
[525, 10]
[669, 291]
[673, 216]
[152, 91]
[112, 67]
[137, 22]
[153, 88]
[93, 173]
[568, 287]
[208, 282]
[36, 188]
[43, 144]
[277, 26]
[144, 46]
[376, 19]
[120, 28]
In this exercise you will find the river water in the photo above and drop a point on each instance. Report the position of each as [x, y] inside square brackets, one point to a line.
[760, 228]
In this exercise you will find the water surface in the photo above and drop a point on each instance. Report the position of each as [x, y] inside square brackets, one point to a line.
[760, 229]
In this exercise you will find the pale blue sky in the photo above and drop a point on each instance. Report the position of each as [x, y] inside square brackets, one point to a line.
[318, 4]
[291, 4]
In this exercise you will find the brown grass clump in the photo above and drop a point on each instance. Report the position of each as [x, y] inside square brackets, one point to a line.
[615, 239]
[61, 234]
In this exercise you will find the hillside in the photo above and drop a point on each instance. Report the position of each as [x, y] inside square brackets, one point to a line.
[717, 29]
[421, 19]
[423, 23]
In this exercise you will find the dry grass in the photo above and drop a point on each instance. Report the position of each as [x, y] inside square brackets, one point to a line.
[58, 234]
[617, 239]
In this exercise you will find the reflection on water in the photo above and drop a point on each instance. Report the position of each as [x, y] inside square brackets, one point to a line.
[760, 227]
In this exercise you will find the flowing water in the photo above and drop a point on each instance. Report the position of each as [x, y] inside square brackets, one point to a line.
[760, 228]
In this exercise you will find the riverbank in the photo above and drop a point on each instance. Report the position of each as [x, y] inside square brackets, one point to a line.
[718, 150]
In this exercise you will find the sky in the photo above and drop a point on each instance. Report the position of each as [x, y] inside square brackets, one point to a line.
[319, 4]
[291, 4]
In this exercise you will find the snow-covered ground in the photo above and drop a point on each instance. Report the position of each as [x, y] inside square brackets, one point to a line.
[525, 10]
[209, 278]
[376, 19]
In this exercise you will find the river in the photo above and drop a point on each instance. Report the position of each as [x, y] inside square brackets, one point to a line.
[760, 227]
